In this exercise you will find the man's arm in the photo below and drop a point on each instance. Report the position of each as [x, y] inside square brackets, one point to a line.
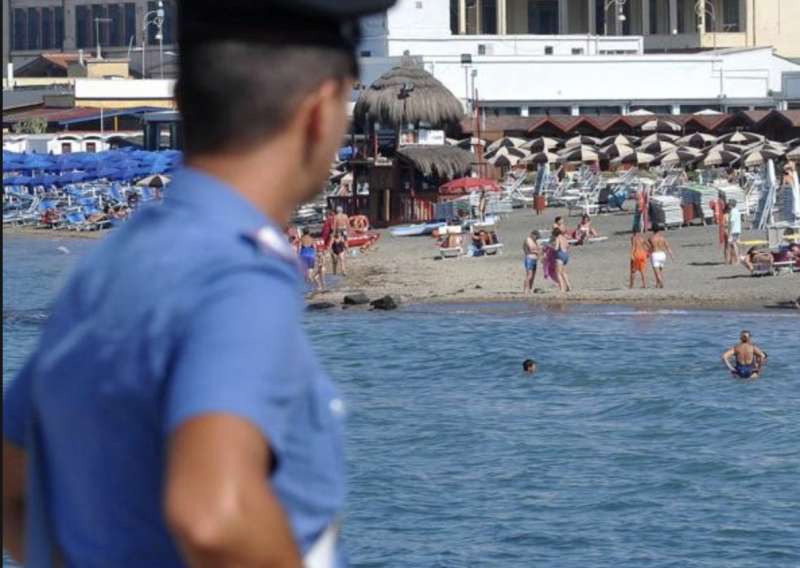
[14, 468]
[218, 501]
[760, 355]
[726, 358]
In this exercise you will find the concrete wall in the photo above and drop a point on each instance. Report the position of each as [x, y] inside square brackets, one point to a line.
[124, 93]
[775, 23]
[419, 18]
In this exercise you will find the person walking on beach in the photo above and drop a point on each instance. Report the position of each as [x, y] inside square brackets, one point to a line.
[338, 253]
[341, 222]
[659, 248]
[640, 250]
[174, 413]
[745, 360]
[532, 250]
[561, 251]
[734, 232]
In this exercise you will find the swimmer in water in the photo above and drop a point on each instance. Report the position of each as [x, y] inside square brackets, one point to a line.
[748, 359]
[529, 366]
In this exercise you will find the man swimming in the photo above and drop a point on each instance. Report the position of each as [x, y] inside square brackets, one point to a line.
[529, 366]
[748, 359]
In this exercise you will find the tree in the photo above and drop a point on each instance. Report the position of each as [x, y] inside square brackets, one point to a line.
[33, 125]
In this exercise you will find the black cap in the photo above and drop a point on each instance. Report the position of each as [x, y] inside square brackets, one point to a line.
[331, 23]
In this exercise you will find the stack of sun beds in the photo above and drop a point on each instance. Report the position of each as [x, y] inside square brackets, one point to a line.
[667, 211]
[701, 197]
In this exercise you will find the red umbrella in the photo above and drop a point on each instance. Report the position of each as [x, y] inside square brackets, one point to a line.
[467, 184]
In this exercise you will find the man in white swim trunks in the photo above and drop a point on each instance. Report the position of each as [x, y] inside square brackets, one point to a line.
[658, 258]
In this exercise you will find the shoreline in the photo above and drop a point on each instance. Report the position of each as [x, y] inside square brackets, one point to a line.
[17, 231]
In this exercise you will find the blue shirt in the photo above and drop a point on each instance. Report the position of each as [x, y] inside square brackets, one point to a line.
[178, 313]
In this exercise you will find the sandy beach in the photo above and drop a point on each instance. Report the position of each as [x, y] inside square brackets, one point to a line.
[408, 267]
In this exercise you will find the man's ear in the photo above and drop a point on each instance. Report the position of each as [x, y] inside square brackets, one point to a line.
[319, 111]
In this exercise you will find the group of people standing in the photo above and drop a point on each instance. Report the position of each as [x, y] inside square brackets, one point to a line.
[656, 248]
[311, 252]
[554, 256]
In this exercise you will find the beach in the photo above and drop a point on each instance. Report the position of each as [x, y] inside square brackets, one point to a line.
[409, 267]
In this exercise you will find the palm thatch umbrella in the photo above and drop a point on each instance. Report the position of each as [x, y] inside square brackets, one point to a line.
[541, 143]
[740, 137]
[542, 157]
[659, 137]
[680, 155]
[625, 139]
[697, 140]
[656, 147]
[720, 157]
[443, 161]
[794, 155]
[637, 158]
[660, 125]
[759, 157]
[408, 94]
[615, 151]
[506, 156]
[581, 153]
[582, 140]
[507, 141]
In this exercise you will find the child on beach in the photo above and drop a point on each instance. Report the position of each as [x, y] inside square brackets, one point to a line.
[640, 250]
[531, 249]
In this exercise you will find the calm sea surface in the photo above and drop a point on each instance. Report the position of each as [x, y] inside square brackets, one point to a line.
[631, 447]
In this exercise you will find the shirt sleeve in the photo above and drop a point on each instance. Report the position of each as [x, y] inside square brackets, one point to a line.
[17, 400]
[238, 355]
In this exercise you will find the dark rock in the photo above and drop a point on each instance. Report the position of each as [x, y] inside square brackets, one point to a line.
[460, 291]
[385, 303]
[356, 299]
[317, 306]
[478, 287]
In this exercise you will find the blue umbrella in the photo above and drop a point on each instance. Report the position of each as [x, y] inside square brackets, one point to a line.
[18, 180]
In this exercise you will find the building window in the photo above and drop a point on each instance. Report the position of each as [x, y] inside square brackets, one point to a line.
[66, 147]
[655, 109]
[58, 25]
[548, 50]
[598, 110]
[34, 29]
[489, 17]
[170, 21]
[549, 111]
[543, 17]
[577, 51]
[365, 53]
[91, 146]
[504, 111]
[692, 109]
[730, 16]
[20, 29]
[454, 4]
[130, 21]
[47, 28]
[481, 49]
[83, 36]
[116, 28]
[99, 28]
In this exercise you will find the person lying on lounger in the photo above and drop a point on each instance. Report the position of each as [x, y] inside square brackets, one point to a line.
[757, 255]
[748, 359]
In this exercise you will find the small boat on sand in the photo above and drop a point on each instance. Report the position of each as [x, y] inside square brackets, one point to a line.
[417, 229]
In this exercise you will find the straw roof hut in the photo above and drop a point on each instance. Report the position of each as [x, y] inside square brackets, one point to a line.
[442, 161]
[408, 94]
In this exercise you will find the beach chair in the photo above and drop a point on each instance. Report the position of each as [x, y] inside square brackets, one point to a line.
[450, 252]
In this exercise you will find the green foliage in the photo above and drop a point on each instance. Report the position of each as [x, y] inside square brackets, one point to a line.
[33, 125]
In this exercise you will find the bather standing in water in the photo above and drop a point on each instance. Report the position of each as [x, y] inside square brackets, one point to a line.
[748, 359]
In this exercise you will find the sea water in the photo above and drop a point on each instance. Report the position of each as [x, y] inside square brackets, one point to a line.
[630, 447]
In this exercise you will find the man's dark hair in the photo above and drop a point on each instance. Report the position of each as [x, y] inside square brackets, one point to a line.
[232, 93]
[527, 364]
[657, 228]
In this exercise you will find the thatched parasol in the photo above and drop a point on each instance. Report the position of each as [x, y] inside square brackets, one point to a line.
[720, 157]
[443, 161]
[506, 156]
[697, 140]
[660, 125]
[659, 137]
[735, 148]
[683, 155]
[505, 141]
[740, 137]
[541, 143]
[638, 158]
[759, 157]
[615, 151]
[408, 94]
[582, 140]
[656, 147]
[619, 139]
[543, 157]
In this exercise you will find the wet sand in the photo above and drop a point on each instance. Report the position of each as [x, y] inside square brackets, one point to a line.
[409, 267]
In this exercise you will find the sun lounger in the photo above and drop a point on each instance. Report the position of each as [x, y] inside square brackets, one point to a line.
[496, 248]
[451, 252]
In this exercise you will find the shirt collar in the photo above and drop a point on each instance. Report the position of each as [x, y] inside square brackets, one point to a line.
[217, 200]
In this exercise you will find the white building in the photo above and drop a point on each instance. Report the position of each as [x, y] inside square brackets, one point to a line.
[522, 74]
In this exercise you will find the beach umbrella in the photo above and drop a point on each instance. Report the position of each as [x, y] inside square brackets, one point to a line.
[615, 151]
[582, 140]
[505, 142]
[735, 148]
[720, 157]
[659, 137]
[580, 153]
[542, 157]
[679, 155]
[660, 125]
[794, 155]
[465, 185]
[159, 180]
[506, 156]
[759, 157]
[696, 140]
[792, 143]
[470, 143]
[541, 143]
[656, 147]
[740, 137]
[637, 158]
[624, 139]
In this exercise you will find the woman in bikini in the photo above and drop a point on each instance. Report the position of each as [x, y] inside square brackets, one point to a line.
[584, 232]
[640, 250]
[561, 249]
[338, 252]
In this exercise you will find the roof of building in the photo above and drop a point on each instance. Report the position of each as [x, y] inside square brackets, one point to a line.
[66, 117]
